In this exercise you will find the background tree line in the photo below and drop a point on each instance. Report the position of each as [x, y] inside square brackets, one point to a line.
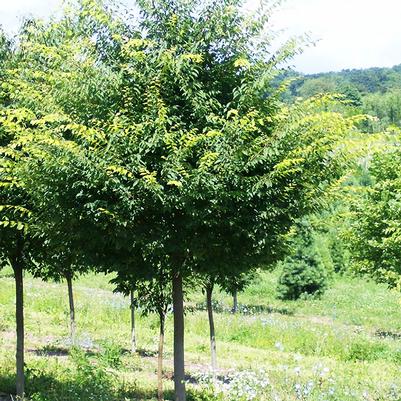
[374, 91]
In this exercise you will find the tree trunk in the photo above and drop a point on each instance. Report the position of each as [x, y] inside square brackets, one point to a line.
[235, 302]
[209, 291]
[72, 310]
[179, 368]
[160, 395]
[19, 315]
[133, 335]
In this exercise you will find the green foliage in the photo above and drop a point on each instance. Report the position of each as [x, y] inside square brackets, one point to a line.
[340, 255]
[189, 146]
[375, 231]
[365, 351]
[302, 276]
[351, 94]
[313, 87]
[84, 379]
[329, 227]
[110, 355]
[153, 295]
[304, 273]
[386, 107]
[374, 91]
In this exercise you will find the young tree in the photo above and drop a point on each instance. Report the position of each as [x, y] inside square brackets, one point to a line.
[209, 283]
[133, 329]
[304, 273]
[128, 287]
[231, 284]
[15, 213]
[14, 206]
[235, 284]
[156, 297]
[45, 55]
[58, 263]
[153, 296]
[27, 94]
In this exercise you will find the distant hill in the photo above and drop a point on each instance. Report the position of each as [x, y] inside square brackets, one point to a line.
[374, 91]
[365, 81]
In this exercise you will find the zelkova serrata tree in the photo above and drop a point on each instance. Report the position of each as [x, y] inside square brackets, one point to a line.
[59, 263]
[24, 101]
[15, 209]
[16, 243]
[236, 284]
[152, 296]
[200, 160]
[14, 212]
[232, 284]
[128, 287]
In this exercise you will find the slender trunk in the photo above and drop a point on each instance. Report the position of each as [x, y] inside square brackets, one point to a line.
[235, 302]
[160, 394]
[72, 310]
[179, 368]
[209, 291]
[133, 335]
[19, 315]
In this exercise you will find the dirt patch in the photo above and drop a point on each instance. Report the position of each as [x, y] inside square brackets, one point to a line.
[8, 335]
[320, 320]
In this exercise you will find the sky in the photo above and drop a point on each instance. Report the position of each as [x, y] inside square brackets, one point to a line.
[347, 33]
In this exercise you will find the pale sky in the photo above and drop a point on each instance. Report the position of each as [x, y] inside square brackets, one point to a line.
[350, 33]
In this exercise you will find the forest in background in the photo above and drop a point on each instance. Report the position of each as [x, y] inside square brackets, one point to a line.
[375, 91]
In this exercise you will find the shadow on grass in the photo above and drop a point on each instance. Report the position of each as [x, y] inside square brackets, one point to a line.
[50, 350]
[242, 309]
[388, 334]
[145, 353]
[45, 387]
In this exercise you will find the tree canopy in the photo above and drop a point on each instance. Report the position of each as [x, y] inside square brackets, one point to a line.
[163, 141]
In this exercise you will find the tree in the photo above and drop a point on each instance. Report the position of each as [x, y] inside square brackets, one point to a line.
[15, 213]
[58, 264]
[191, 162]
[235, 284]
[14, 206]
[304, 273]
[231, 284]
[386, 107]
[128, 287]
[208, 284]
[313, 87]
[374, 235]
[25, 95]
[351, 94]
[153, 296]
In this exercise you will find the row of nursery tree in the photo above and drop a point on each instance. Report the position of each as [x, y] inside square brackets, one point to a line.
[157, 148]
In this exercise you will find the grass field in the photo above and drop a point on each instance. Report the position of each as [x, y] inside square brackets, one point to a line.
[344, 346]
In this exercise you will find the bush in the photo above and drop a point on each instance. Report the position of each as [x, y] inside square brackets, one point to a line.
[303, 276]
